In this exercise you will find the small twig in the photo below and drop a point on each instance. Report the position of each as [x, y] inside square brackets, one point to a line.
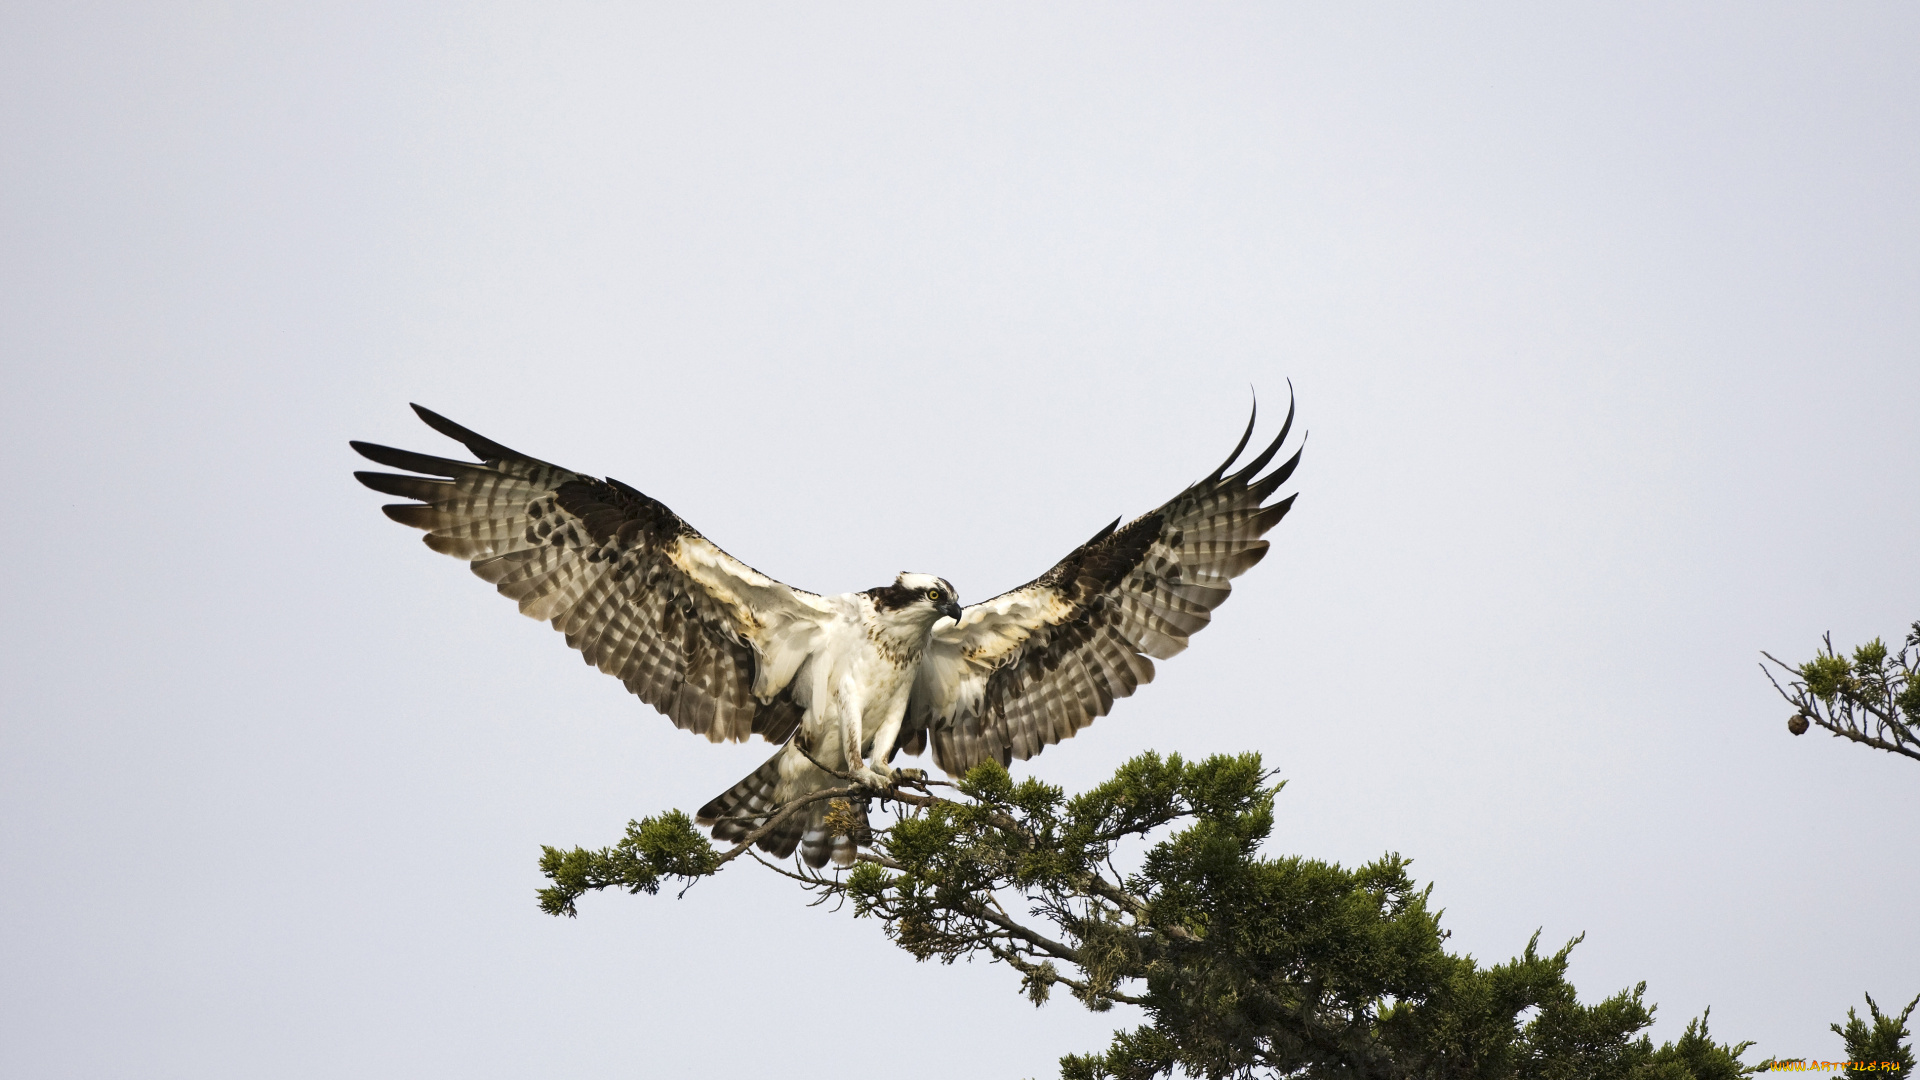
[811, 881]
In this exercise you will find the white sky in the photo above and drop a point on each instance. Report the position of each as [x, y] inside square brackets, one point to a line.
[1604, 322]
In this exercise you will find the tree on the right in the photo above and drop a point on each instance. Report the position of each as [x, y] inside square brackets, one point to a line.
[1872, 698]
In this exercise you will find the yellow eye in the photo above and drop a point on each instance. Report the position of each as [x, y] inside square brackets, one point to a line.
[933, 595]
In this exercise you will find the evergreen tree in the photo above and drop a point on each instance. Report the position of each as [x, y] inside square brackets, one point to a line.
[1872, 699]
[1873, 1047]
[1245, 965]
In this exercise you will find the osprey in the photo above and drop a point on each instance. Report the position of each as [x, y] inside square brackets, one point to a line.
[840, 681]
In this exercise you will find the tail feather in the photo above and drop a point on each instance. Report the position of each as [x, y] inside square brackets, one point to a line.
[747, 805]
[819, 843]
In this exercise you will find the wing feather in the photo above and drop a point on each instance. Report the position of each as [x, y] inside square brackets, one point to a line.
[645, 598]
[1031, 667]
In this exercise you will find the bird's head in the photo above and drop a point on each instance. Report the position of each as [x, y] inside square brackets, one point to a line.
[927, 592]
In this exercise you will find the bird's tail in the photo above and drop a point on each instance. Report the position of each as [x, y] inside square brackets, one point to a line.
[828, 829]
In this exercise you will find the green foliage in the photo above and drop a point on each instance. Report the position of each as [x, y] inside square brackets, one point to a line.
[1909, 700]
[667, 846]
[1829, 677]
[1693, 1054]
[1883, 1040]
[1873, 698]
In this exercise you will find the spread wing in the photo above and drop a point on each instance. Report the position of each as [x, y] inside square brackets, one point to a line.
[1030, 667]
[690, 630]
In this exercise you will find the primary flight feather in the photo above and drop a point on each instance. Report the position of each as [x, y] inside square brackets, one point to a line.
[848, 680]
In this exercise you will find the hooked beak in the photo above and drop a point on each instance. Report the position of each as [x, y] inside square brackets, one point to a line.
[952, 610]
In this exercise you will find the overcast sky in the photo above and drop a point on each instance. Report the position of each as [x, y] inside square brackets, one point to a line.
[1604, 320]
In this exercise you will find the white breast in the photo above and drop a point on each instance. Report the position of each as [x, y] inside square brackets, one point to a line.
[859, 656]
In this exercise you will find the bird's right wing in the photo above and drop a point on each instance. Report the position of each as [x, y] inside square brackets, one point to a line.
[701, 636]
[1033, 666]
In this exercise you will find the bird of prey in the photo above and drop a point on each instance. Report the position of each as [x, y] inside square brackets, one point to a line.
[839, 681]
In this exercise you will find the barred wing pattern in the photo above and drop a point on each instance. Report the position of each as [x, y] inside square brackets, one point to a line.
[1033, 666]
[690, 630]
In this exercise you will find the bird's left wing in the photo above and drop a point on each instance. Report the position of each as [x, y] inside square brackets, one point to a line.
[1033, 666]
[690, 630]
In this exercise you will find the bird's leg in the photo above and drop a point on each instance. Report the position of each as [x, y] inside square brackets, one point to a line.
[851, 721]
[874, 773]
[881, 752]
